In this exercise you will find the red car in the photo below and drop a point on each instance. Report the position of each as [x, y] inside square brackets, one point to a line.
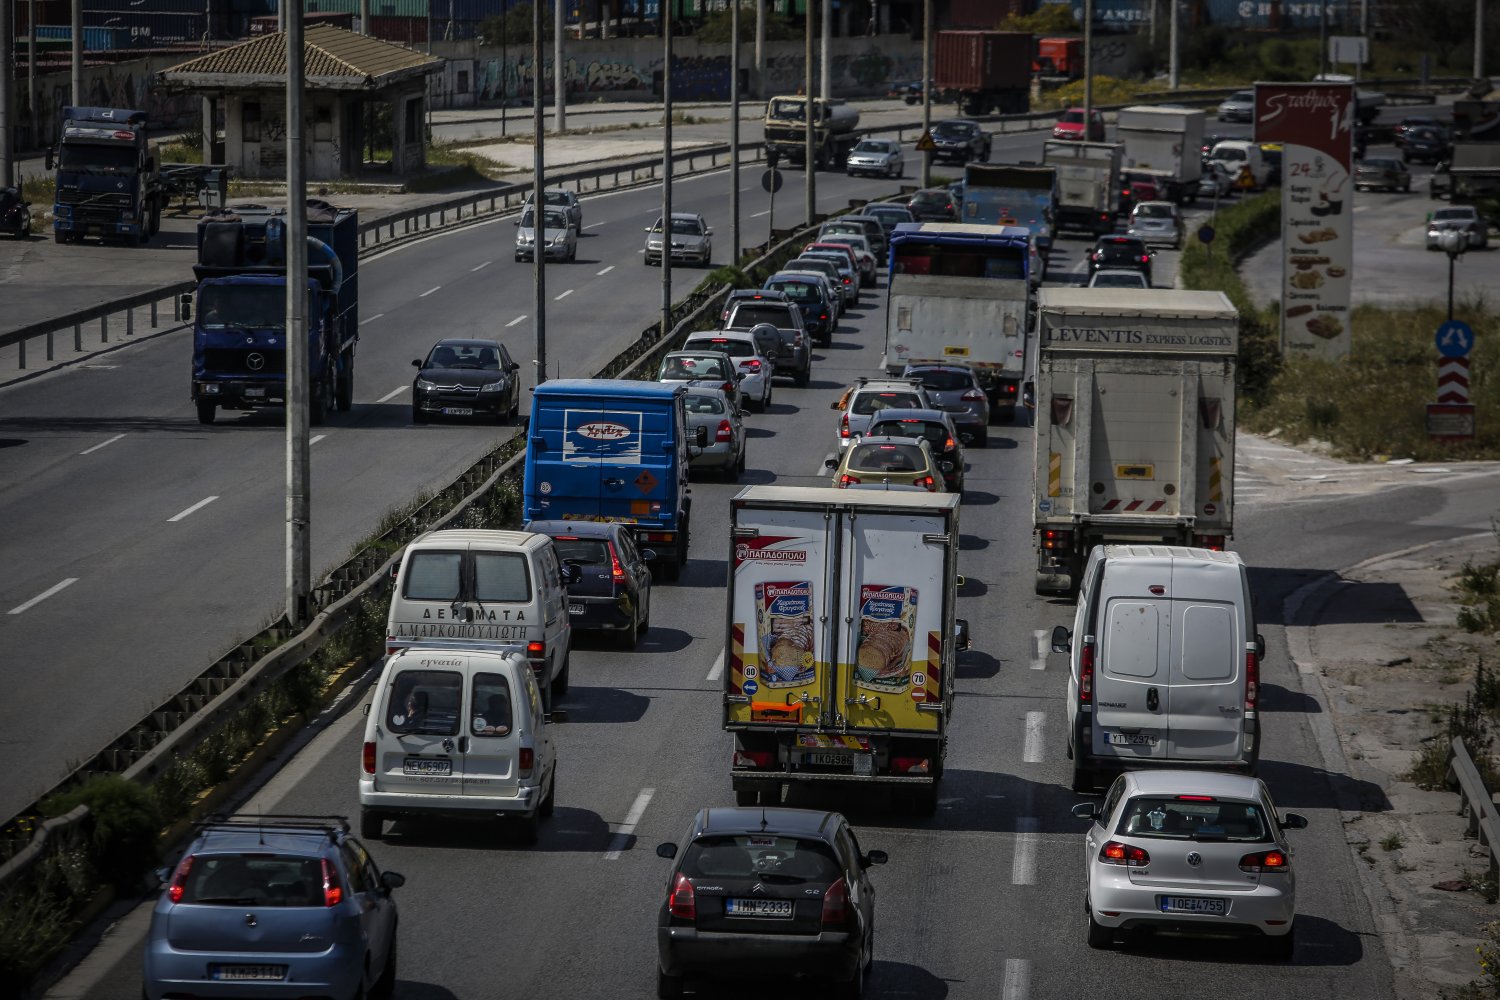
[1070, 126]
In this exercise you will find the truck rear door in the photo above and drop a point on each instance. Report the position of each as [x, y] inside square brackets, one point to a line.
[570, 436]
[1131, 694]
[1135, 443]
[1207, 690]
[638, 469]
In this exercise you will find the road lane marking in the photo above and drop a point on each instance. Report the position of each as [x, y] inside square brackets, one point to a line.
[1039, 647]
[393, 394]
[759, 214]
[1032, 754]
[193, 509]
[481, 267]
[519, 319]
[1023, 865]
[606, 270]
[626, 829]
[39, 598]
[1017, 979]
[564, 295]
[101, 444]
[717, 670]
[429, 291]
[370, 319]
[315, 440]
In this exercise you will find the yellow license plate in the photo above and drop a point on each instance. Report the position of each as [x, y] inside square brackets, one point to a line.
[1135, 472]
[955, 352]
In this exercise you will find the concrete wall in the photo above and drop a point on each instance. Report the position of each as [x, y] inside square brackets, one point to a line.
[255, 145]
[129, 84]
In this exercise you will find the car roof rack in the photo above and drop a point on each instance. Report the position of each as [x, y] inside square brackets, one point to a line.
[280, 822]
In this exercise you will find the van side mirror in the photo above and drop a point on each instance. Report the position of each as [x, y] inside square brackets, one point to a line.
[514, 366]
[700, 436]
[184, 301]
[874, 858]
[1260, 646]
[391, 880]
[365, 710]
[830, 463]
[961, 634]
[52, 163]
[666, 850]
[1062, 639]
[1086, 810]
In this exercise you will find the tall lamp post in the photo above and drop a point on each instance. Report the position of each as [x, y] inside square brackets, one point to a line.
[1453, 242]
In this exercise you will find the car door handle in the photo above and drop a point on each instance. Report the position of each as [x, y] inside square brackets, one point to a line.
[1153, 699]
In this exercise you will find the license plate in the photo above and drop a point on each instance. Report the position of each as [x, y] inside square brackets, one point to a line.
[1131, 740]
[575, 609]
[829, 759]
[427, 765]
[254, 393]
[457, 411]
[758, 907]
[1191, 904]
[247, 972]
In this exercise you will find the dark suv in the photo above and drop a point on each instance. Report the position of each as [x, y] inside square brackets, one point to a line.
[1121, 251]
[960, 140]
[749, 308]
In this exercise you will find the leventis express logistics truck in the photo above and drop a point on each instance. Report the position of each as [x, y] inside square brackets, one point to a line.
[841, 646]
[1134, 423]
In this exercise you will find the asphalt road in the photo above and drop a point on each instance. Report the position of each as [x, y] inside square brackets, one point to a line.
[982, 901]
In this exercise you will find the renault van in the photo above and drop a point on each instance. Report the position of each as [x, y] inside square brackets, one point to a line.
[1164, 663]
[453, 730]
[485, 588]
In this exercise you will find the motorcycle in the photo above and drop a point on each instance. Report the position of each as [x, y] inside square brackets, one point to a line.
[15, 213]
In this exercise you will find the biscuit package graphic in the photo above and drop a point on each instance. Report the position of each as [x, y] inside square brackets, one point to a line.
[785, 632]
[887, 615]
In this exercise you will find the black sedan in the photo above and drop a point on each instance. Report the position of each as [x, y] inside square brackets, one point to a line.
[1425, 144]
[960, 141]
[1121, 251]
[613, 589]
[466, 378]
[1384, 172]
[767, 893]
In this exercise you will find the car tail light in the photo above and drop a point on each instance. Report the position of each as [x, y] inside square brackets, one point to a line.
[844, 426]
[526, 761]
[1265, 862]
[1086, 673]
[948, 445]
[973, 396]
[1145, 257]
[1125, 855]
[846, 480]
[680, 901]
[333, 893]
[725, 432]
[822, 315]
[758, 759]
[753, 364]
[368, 757]
[911, 765]
[1252, 680]
[536, 652]
[836, 904]
[727, 387]
[390, 645]
[927, 483]
[1215, 542]
[846, 281]
[179, 879]
[616, 571]
[659, 536]
[1053, 538]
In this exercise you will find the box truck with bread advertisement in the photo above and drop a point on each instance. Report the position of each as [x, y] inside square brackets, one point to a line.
[841, 640]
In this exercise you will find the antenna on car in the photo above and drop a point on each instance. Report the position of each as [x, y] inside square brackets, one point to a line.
[763, 821]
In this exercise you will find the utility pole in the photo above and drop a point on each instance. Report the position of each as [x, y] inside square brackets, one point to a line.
[666, 169]
[926, 178]
[36, 118]
[298, 447]
[77, 35]
[760, 44]
[823, 90]
[1479, 39]
[734, 131]
[7, 98]
[1322, 38]
[538, 220]
[810, 164]
[559, 76]
[1088, 66]
[364, 17]
[1172, 73]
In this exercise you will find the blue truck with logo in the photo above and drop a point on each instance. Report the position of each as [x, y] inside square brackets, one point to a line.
[108, 182]
[239, 332]
[613, 450]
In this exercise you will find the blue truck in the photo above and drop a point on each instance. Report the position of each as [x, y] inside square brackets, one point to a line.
[1012, 195]
[108, 182]
[613, 450]
[239, 343]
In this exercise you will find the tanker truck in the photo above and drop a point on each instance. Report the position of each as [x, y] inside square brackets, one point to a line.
[834, 132]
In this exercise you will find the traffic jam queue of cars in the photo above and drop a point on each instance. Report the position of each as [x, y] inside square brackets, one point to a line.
[459, 724]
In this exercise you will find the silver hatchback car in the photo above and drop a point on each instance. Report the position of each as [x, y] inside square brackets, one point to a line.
[708, 406]
[692, 241]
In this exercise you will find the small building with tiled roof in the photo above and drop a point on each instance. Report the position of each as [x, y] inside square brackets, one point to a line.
[360, 91]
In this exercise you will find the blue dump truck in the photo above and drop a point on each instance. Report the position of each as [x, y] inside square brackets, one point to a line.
[613, 450]
[1012, 195]
[108, 181]
[239, 342]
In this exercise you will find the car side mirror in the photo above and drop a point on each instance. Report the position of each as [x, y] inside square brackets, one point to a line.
[514, 366]
[708, 232]
[874, 858]
[833, 405]
[416, 363]
[648, 555]
[648, 229]
[830, 463]
[365, 710]
[961, 634]
[1260, 646]
[184, 302]
[700, 436]
[741, 376]
[517, 223]
[51, 163]
[1086, 810]
[1294, 821]
[666, 850]
[391, 880]
[1062, 639]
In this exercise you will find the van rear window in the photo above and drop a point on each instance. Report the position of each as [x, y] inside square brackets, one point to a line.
[491, 706]
[433, 576]
[425, 702]
[501, 576]
[1132, 636]
[1207, 642]
[746, 315]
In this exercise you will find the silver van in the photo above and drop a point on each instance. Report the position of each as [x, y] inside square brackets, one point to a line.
[1164, 663]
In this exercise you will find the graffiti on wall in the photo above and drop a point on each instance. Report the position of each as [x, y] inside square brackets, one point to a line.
[130, 84]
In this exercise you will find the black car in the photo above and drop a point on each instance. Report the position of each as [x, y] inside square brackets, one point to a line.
[613, 590]
[1121, 251]
[1426, 144]
[15, 213]
[767, 893]
[960, 140]
[466, 378]
[937, 428]
[1412, 123]
[933, 205]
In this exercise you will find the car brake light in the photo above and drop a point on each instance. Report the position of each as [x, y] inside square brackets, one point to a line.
[1252, 680]
[616, 571]
[753, 364]
[927, 483]
[725, 432]
[368, 758]
[1196, 798]
[179, 879]
[390, 645]
[948, 445]
[846, 281]
[681, 902]
[1086, 673]
[846, 479]
[1145, 257]
[526, 761]
[1126, 855]
[844, 426]
[333, 893]
[911, 765]
[1215, 542]
[836, 904]
[1264, 862]
[727, 387]
[536, 652]
[973, 396]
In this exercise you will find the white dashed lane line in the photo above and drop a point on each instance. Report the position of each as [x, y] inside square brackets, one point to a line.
[1040, 644]
[605, 271]
[564, 295]
[191, 510]
[1017, 979]
[717, 670]
[481, 267]
[1032, 752]
[759, 214]
[39, 598]
[429, 291]
[370, 319]
[393, 394]
[101, 444]
[626, 829]
[1023, 866]
[519, 319]
[314, 440]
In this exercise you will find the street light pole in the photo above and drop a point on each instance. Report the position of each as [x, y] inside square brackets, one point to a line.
[559, 76]
[734, 132]
[538, 217]
[926, 178]
[666, 169]
[298, 390]
[809, 116]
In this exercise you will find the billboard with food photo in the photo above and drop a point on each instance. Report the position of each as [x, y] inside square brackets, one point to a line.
[1314, 122]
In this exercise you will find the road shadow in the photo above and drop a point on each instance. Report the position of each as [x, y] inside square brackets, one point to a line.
[1298, 786]
[603, 704]
[1350, 603]
[980, 498]
[973, 587]
[781, 409]
[1275, 698]
[972, 543]
[756, 477]
[823, 384]
[661, 639]
[1320, 943]
[999, 444]
[759, 432]
[569, 830]
[408, 990]
[977, 666]
[885, 979]
[844, 345]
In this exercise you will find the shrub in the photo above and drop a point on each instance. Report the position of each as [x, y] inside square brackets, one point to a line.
[123, 825]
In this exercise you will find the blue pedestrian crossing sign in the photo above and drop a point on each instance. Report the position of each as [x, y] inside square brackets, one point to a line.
[1455, 339]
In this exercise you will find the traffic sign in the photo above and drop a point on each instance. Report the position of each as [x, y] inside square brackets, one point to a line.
[1246, 180]
[1450, 422]
[1205, 234]
[771, 180]
[1455, 338]
[925, 144]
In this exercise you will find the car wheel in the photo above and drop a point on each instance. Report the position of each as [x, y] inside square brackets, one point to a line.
[1099, 936]
[1083, 779]
[1406, 188]
[801, 379]
[854, 988]
[668, 987]
[527, 829]
[385, 986]
[371, 824]
[631, 636]
[982, 439]
[1282, 948]
[206, 413]
[549, 804]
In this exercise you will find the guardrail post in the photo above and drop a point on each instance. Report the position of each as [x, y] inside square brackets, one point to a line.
[49, 345]
[78, 337]
[442, 218]
[153, 307]
[22, 346]
[130, 322]
[103, 329]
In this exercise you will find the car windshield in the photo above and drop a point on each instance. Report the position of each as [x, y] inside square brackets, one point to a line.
[797, 291]
[944, 379]
[550, 219]
[679, 366]
[871, 147]
[792, 111]
[867, 403]
[1243, 97]
[762, 857]
[733, 348]
[845, 239]
[748, 314]
[909, 428]
[586, 551]
[555, 197]
[886, 458]
[463, 356]
[952, 130]
[90, 158]
[1194, 817]
[1121, 251]
[1451, 215]
[1071, 118]
[260, 879]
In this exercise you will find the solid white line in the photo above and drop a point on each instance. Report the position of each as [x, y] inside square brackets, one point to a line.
[1023, 867]
[1032, 754]
[429, 291]
[39, 598]
[315, 440]
[519, 319]
[759, 214]
[195, 507]
[564, 295]
[622, 834]
[393, 394]
[606, 270]
[717, 670]
[481, 267]
[370, 319]
[1017, 979]
[101, 444]
[1039, 647]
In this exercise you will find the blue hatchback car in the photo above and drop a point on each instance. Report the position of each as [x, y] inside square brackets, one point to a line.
[273, 906]
[811, 297]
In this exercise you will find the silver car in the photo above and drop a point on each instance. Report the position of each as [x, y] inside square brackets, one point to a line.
[955, 390]
[559, 236]
[559, 198]
[868, 396]
[1118, 277]
[708, 367]
[1156, 223]
[876, 156]
[861, 247]
[708, 406]
[1238, 107]
[691, 240]
[1190, 851]
[1465, 219]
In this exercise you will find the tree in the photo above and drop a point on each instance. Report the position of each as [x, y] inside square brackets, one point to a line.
[514, 28]
[1441, 26]
[714, 28]
[1049, 19]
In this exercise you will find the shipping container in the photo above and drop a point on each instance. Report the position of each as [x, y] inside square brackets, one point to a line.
[47, 12]
[116, 8]
[982, 60]
[401, 30]
[378, 8]
[95, 38]
[1266, 14]
[151, 28]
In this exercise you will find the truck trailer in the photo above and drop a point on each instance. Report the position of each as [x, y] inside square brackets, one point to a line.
[1013, 195]
[988, 71]
[1088, 184]
[1165, 143]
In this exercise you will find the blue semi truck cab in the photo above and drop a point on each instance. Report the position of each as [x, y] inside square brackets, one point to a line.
[613, 450]
[239, 329]
[108, 182]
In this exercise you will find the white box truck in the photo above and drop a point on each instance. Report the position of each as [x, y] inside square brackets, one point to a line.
[1088, 183]
[841, 641]
[1166, 143]
[1134, 423]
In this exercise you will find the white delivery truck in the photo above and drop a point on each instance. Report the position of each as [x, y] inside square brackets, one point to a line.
[1166, 143]
[1134, 423]
[841, 640]
[1088, 183]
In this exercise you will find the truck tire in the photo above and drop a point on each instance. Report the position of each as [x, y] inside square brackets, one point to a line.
[343, 395]
[206, 412]
[58, 237]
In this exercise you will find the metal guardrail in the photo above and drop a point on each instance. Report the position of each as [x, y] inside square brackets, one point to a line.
[1476, 804]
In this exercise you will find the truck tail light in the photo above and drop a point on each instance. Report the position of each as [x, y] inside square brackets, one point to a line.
[526, 762]
[949, 445]
[1252, 680]
[616, 571]
[836, 904]
[846, 480]
[1086, 673]
[1125, 855]
[390, 645]
[1215, 542]
[179, 879]
[844, 426]
[1265, 862]
[368, 757]
[725, 432]
[333, 893]
[1054, 538]
[536, 652]
[758, 759]
[911, 765]
[680, 901]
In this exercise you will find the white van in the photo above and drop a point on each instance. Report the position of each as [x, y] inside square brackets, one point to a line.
[1238, 154]
[1164, 662]
[485, 587]
[457, 731]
